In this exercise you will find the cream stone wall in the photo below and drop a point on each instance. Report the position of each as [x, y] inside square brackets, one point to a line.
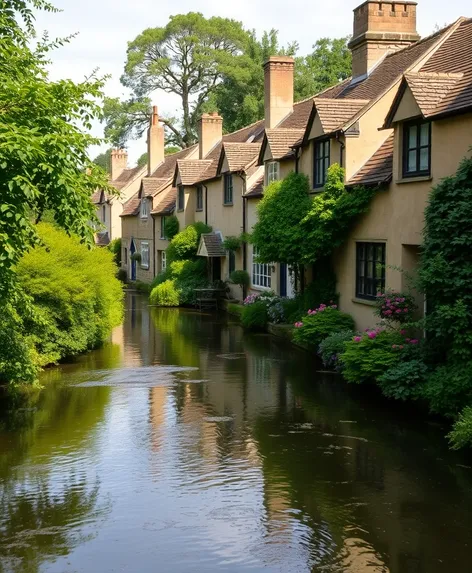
[396, 216]
[139, 230]
[160, 245]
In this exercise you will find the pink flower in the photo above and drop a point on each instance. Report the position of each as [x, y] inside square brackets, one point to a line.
[395, 346]
[298, 324]
[406, 310]
[357, 338]
[414, 341]
[335, 306]
[398, 311]
[403, 332]
[401, 347]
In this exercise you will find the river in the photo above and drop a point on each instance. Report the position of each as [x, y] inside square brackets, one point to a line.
[185, 445]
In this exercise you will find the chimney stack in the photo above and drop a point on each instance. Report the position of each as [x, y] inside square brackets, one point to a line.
[119, 162]
[278, 89]
[210, 132]
[155, 142]
[380, 28]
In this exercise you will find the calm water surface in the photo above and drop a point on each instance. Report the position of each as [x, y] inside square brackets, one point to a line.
[184, 445]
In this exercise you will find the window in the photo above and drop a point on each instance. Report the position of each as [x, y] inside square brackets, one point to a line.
[181, 199]
[228, 197]
[144, 208]
[416, 149]
[321, 162]
[145, 255]
[261, 275]
[231, 262]
[163, 261]
[199, 198]
[370, 270]
[126, 256]
[103, 214]
[272, 172]
[163, 227]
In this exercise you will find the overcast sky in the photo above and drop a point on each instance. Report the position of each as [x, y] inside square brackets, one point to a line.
[105, 27]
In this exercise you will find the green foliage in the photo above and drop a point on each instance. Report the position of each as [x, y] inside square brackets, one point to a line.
[395, 306]
[171, 227]
[446, 265]
[323, 322]
[278, 234]
[68, 303]
[44, 140]
[142, 160]
[115, 248]
[141, 287]
[405, 380]
[184, 245]
[240, 278]
[122, 275]
[103, 160]
[331, 216]
[165, 294]
[232, 243]
[188, 276]
[368, 357]
[461, 434]
[449, 388]
[254, 316]
[235, 309]
[323, 286]
[333, 346]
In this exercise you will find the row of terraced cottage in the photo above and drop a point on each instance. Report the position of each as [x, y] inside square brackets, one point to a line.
[401, 124]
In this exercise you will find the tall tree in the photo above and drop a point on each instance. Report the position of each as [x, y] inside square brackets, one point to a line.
[44, 140]
[103, 160]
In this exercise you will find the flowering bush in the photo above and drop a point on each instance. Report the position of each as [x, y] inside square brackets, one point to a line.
[254, 316]
[321, 323]
[332, 347]
[278, 308]
[395, 306]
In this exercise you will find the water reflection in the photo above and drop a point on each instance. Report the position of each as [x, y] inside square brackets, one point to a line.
[185, 443]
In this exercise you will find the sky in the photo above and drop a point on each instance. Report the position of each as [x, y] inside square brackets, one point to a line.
[105, 26]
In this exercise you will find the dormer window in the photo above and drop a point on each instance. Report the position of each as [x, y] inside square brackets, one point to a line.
[180, 198]
[272, 172]
[417, 149]
[144, 208]
[321, 163]
[228, 189]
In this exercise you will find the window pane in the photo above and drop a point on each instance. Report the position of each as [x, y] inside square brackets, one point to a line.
[412, 155]
[424, 159]
[424, 134]
[413, 137]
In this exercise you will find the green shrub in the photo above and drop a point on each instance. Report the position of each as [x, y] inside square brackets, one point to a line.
[184, 245]
[449, 388]
[122, 275]
[461, 434]
[232, 244]
[367, 357]
[188, 276]
[322, 288]
[240, 278]
[235, 309]
[115, 248]
[141, 287]
[76, 299]
[320, 324]
[171, 227]
[405, 380]
[332, 347]
[165, 294]
[254, 316]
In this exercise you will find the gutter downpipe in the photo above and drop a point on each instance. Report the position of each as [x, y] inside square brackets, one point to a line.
[244, 180]
[206, 204]
[342, 148]
[153, 245]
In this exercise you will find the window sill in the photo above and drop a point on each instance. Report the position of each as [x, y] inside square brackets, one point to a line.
[260, 288]
[144, 268]
[180, 210]
[418, 179]
[227, 204]
[198, 210]
[365, 301]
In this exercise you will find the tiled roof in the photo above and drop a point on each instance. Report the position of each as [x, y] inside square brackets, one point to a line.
[240, 155]
[281, 141]
[96, 197]
[167, 168]
[127, 176]
[190, 170]
[102, 239]
[131, 207]
[430, 88]
[256, 189]
[378, 168]
[151, 186]
[454, 57]
[166, 202]
[213, 245]
[334, 113]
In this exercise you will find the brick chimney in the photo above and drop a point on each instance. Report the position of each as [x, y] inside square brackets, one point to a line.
[155, 142]
[278, 89]
[119, 162]
[210, 132]
[380, 28]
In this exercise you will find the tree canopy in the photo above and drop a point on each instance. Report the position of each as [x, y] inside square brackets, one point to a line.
[44, 139]
[211, 64]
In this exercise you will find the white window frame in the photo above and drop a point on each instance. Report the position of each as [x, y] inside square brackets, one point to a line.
[144, 208]
[261, 273]
[145, 254]
[163, 261]
[272, 172]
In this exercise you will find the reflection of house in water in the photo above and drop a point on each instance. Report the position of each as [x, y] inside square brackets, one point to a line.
[158, 410]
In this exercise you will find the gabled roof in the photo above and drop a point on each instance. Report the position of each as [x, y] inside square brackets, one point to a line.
[131, 207]
[167, 167]
[239, 156]
[151, 186]
[256, 189]
[211, 245]
[127, 176]
[378, 169]
[97, 197]
[334, 113]
[166, 203]
[190, 170]
[280, 141]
